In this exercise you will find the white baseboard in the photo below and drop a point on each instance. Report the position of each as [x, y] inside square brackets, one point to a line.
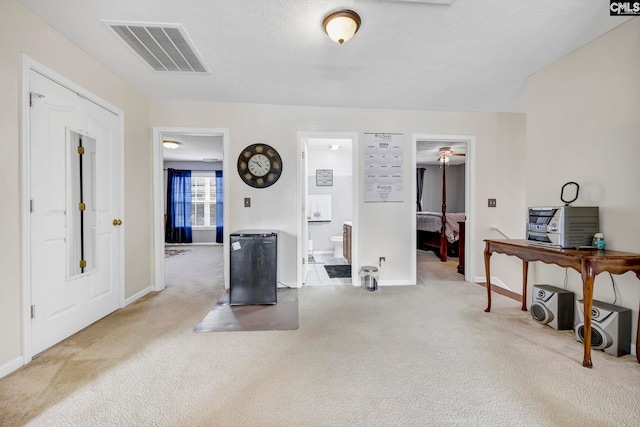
[384, 283]
[137, 296]
[291, 285]
[396, 283]
[497, 282]
[11, 366]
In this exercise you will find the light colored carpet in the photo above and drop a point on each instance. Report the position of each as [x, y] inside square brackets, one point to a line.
[405, 356]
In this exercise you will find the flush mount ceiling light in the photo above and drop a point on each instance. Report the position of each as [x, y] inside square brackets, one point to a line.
[341, 25]
[172, 145]
[334, 147]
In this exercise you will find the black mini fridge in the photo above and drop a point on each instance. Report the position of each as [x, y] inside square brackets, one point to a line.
[253, 264]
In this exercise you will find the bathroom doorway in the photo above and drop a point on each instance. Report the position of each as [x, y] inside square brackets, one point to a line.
[328, 195]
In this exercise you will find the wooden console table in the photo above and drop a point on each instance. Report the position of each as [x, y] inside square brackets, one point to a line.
[587, 262]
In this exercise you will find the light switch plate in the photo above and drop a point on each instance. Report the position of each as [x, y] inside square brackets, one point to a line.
[492, 203]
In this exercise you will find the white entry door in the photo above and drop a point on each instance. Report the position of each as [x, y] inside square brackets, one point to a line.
[75, 226]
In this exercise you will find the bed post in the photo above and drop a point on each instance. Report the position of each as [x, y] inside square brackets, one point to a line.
[443, 237]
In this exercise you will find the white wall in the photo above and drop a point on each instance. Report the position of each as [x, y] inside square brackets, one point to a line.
[341, 193]
[22, 32]
[584, 126]
[384, 229]
[432, 189]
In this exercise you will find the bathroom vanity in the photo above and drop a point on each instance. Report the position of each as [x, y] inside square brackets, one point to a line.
[346, 240]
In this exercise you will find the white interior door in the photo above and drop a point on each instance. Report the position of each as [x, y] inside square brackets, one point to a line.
[75, 232]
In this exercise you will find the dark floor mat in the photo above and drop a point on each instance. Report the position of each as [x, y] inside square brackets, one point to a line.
[338, 271]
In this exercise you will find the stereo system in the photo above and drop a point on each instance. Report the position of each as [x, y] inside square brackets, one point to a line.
[553, 306]
[562, 226]
[610, 327]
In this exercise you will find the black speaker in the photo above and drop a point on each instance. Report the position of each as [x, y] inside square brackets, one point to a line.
[552, 306]
[610, 327]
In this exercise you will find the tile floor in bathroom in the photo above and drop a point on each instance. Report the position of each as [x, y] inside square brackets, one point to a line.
[317, 275]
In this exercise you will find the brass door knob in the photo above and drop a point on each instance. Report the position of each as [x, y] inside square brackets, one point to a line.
[117, 222]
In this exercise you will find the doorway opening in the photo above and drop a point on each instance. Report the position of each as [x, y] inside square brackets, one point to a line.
[190, 204]
[445, 214]
[328, 194]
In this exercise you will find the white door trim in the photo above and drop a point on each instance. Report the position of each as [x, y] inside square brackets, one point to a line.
[470, 199]
[158, 197]
[302, 175]
[28, 65]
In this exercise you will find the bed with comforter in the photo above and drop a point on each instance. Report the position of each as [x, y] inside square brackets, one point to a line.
[431, 234]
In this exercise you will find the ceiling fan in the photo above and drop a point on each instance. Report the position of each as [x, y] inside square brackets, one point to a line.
[445, 153]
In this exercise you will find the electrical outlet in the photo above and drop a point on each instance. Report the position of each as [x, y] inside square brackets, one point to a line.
[247, 202]
[492, 203]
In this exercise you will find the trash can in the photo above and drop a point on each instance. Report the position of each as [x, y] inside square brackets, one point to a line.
[369, 278]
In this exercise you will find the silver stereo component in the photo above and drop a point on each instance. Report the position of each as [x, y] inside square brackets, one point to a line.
[562, 226]
[552, 306]
[610, 327]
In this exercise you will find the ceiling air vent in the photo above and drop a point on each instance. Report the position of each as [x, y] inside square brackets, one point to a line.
[165, 47]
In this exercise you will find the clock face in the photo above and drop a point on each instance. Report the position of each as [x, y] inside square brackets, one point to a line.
[259, 165]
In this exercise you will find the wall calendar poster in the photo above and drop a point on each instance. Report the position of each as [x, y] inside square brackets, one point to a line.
[383, 167]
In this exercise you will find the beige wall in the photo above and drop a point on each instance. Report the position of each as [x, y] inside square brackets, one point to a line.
[23, 32]
[583, 125]
[385, 229]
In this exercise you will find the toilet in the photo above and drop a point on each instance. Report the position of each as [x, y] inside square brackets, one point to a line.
[337, 246]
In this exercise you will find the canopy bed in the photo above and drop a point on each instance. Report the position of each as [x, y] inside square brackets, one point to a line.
[442, 232]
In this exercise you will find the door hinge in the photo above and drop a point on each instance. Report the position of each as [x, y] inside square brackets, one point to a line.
[80, 149]
[303, 261]
[31, 206]
[302, 208]
[33, 96]
[82, 206]
[33, 311]
[303, 154]
[83, 263]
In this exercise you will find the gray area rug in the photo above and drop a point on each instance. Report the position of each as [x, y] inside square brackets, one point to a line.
[169, 253]
[281, 316]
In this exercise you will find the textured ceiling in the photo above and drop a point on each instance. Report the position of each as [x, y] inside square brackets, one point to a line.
[471, 55]
[207, 148]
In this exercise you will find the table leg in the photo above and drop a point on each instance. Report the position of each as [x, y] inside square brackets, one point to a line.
[638, 330]
[588, 278]
[525, 271]
[638, 337]
[487, 271]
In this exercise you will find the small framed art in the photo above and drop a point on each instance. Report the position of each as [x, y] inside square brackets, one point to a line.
[324, 177]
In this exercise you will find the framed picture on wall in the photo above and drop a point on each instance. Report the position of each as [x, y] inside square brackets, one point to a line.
[324, 177]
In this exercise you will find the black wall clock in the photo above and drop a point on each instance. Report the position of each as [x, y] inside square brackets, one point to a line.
[259, 165]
